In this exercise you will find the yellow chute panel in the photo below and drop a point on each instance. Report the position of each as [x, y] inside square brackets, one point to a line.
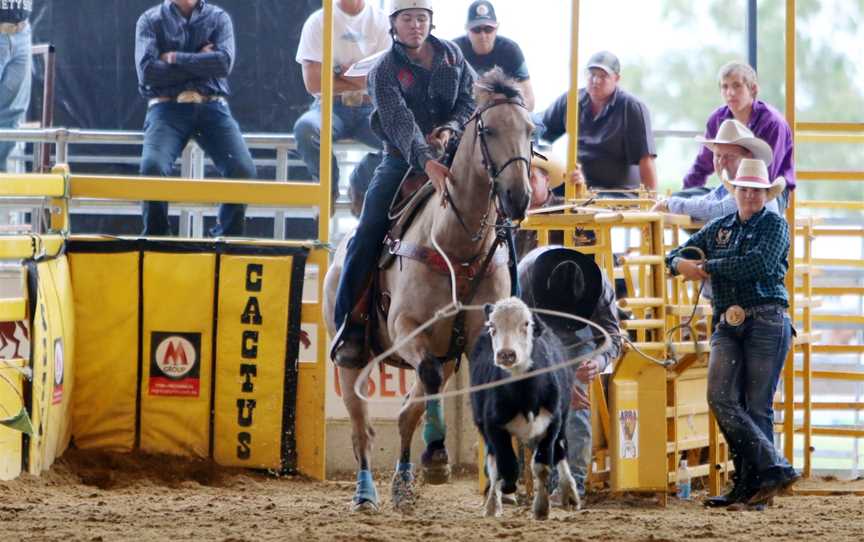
[177, 353]
[106, 339]
[58, 340]
[11, 389]
[254, 301]
[638, 425]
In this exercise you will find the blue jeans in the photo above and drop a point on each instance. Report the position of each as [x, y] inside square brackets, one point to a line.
[15, 80]
[168, 127]
[348, 122]
[743, 372]
[365, 246]
[578, 428]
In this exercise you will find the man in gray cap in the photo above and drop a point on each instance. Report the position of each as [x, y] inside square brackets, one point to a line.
[616, 145]
[564, 280]
[484, 48]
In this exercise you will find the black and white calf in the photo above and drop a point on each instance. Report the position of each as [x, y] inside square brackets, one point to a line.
[534, 409]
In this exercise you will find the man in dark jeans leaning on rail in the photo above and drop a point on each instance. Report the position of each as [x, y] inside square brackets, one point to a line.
[184, 52]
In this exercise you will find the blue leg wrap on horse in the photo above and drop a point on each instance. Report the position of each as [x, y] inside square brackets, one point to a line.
[434, 429]
[365, 488]
[405, 470]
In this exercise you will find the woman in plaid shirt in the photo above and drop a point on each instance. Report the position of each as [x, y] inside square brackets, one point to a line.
[745, 257]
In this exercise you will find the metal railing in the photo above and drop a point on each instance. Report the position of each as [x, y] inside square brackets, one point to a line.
[193, 163]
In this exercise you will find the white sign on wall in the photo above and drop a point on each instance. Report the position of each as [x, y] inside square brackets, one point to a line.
[385, 382]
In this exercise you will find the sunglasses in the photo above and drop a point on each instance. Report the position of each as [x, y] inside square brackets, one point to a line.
[483, 29]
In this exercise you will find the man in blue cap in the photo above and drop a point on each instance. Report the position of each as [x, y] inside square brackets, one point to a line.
[484, 48]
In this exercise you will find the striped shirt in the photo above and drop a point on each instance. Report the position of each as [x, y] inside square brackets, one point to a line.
[411, 101]
[747, 261]
[163, 29]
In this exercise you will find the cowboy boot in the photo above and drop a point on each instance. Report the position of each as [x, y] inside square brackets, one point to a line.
[348, 343]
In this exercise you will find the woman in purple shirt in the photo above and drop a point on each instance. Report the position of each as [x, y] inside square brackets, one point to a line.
[739, 88]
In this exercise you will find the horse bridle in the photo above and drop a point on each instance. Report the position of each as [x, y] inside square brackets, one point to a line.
[492, 170]
[481, 133]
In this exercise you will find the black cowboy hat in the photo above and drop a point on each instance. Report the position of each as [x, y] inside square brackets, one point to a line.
[560, 279]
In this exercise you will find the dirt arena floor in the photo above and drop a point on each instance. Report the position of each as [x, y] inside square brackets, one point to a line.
[104, 498]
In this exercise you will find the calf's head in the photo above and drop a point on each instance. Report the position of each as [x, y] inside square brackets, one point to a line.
[513, 329]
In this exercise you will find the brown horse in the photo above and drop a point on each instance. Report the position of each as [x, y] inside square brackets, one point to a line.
[490, 178]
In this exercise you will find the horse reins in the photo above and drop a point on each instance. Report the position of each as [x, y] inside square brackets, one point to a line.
[458, 338]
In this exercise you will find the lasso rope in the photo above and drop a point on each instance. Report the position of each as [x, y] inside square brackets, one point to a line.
[452, 309]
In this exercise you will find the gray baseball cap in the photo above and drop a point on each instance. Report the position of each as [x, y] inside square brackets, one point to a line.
[606, 61]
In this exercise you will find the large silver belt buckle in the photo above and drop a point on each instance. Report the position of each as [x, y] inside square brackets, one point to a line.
[735, 315]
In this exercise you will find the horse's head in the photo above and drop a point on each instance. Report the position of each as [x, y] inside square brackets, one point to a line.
[503, 132]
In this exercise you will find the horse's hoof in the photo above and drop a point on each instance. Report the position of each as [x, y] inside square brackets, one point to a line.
[365, 495]
[365, 507]
[541, 507]
[403, 494]
[436, 466]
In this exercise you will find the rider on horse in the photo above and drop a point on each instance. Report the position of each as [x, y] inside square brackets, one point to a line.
[422, 93]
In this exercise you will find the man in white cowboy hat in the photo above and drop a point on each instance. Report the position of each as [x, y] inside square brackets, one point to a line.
[739, 89]
[733, 143]
[745, 256]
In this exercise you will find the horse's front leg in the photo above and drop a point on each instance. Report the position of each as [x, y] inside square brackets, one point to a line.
[362, 434]
[402, 486]
[435, 461]
[434, 376]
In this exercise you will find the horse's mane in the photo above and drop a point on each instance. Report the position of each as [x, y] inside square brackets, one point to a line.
[495, 82]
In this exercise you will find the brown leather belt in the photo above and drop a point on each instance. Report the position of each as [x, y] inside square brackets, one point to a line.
[187, 97]
[12, 28]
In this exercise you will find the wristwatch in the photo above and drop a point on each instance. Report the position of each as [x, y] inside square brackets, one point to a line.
[337, 70]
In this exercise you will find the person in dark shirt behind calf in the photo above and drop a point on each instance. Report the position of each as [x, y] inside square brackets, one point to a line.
[184, 52]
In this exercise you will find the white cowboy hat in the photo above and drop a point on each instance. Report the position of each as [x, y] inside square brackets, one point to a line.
[554, 168]
[732, 132]
[753, 173]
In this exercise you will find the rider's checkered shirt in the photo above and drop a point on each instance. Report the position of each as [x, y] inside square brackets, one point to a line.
[411, 101]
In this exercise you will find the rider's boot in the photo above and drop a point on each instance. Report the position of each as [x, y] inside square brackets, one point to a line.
[347, 345]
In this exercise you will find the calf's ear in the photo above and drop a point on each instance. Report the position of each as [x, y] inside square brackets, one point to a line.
[539, 326]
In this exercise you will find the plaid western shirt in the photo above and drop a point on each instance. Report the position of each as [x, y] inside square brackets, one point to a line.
[411, 101]
[162, 29]
[747, 261]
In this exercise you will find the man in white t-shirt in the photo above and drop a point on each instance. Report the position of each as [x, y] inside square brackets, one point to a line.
[359, 30]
